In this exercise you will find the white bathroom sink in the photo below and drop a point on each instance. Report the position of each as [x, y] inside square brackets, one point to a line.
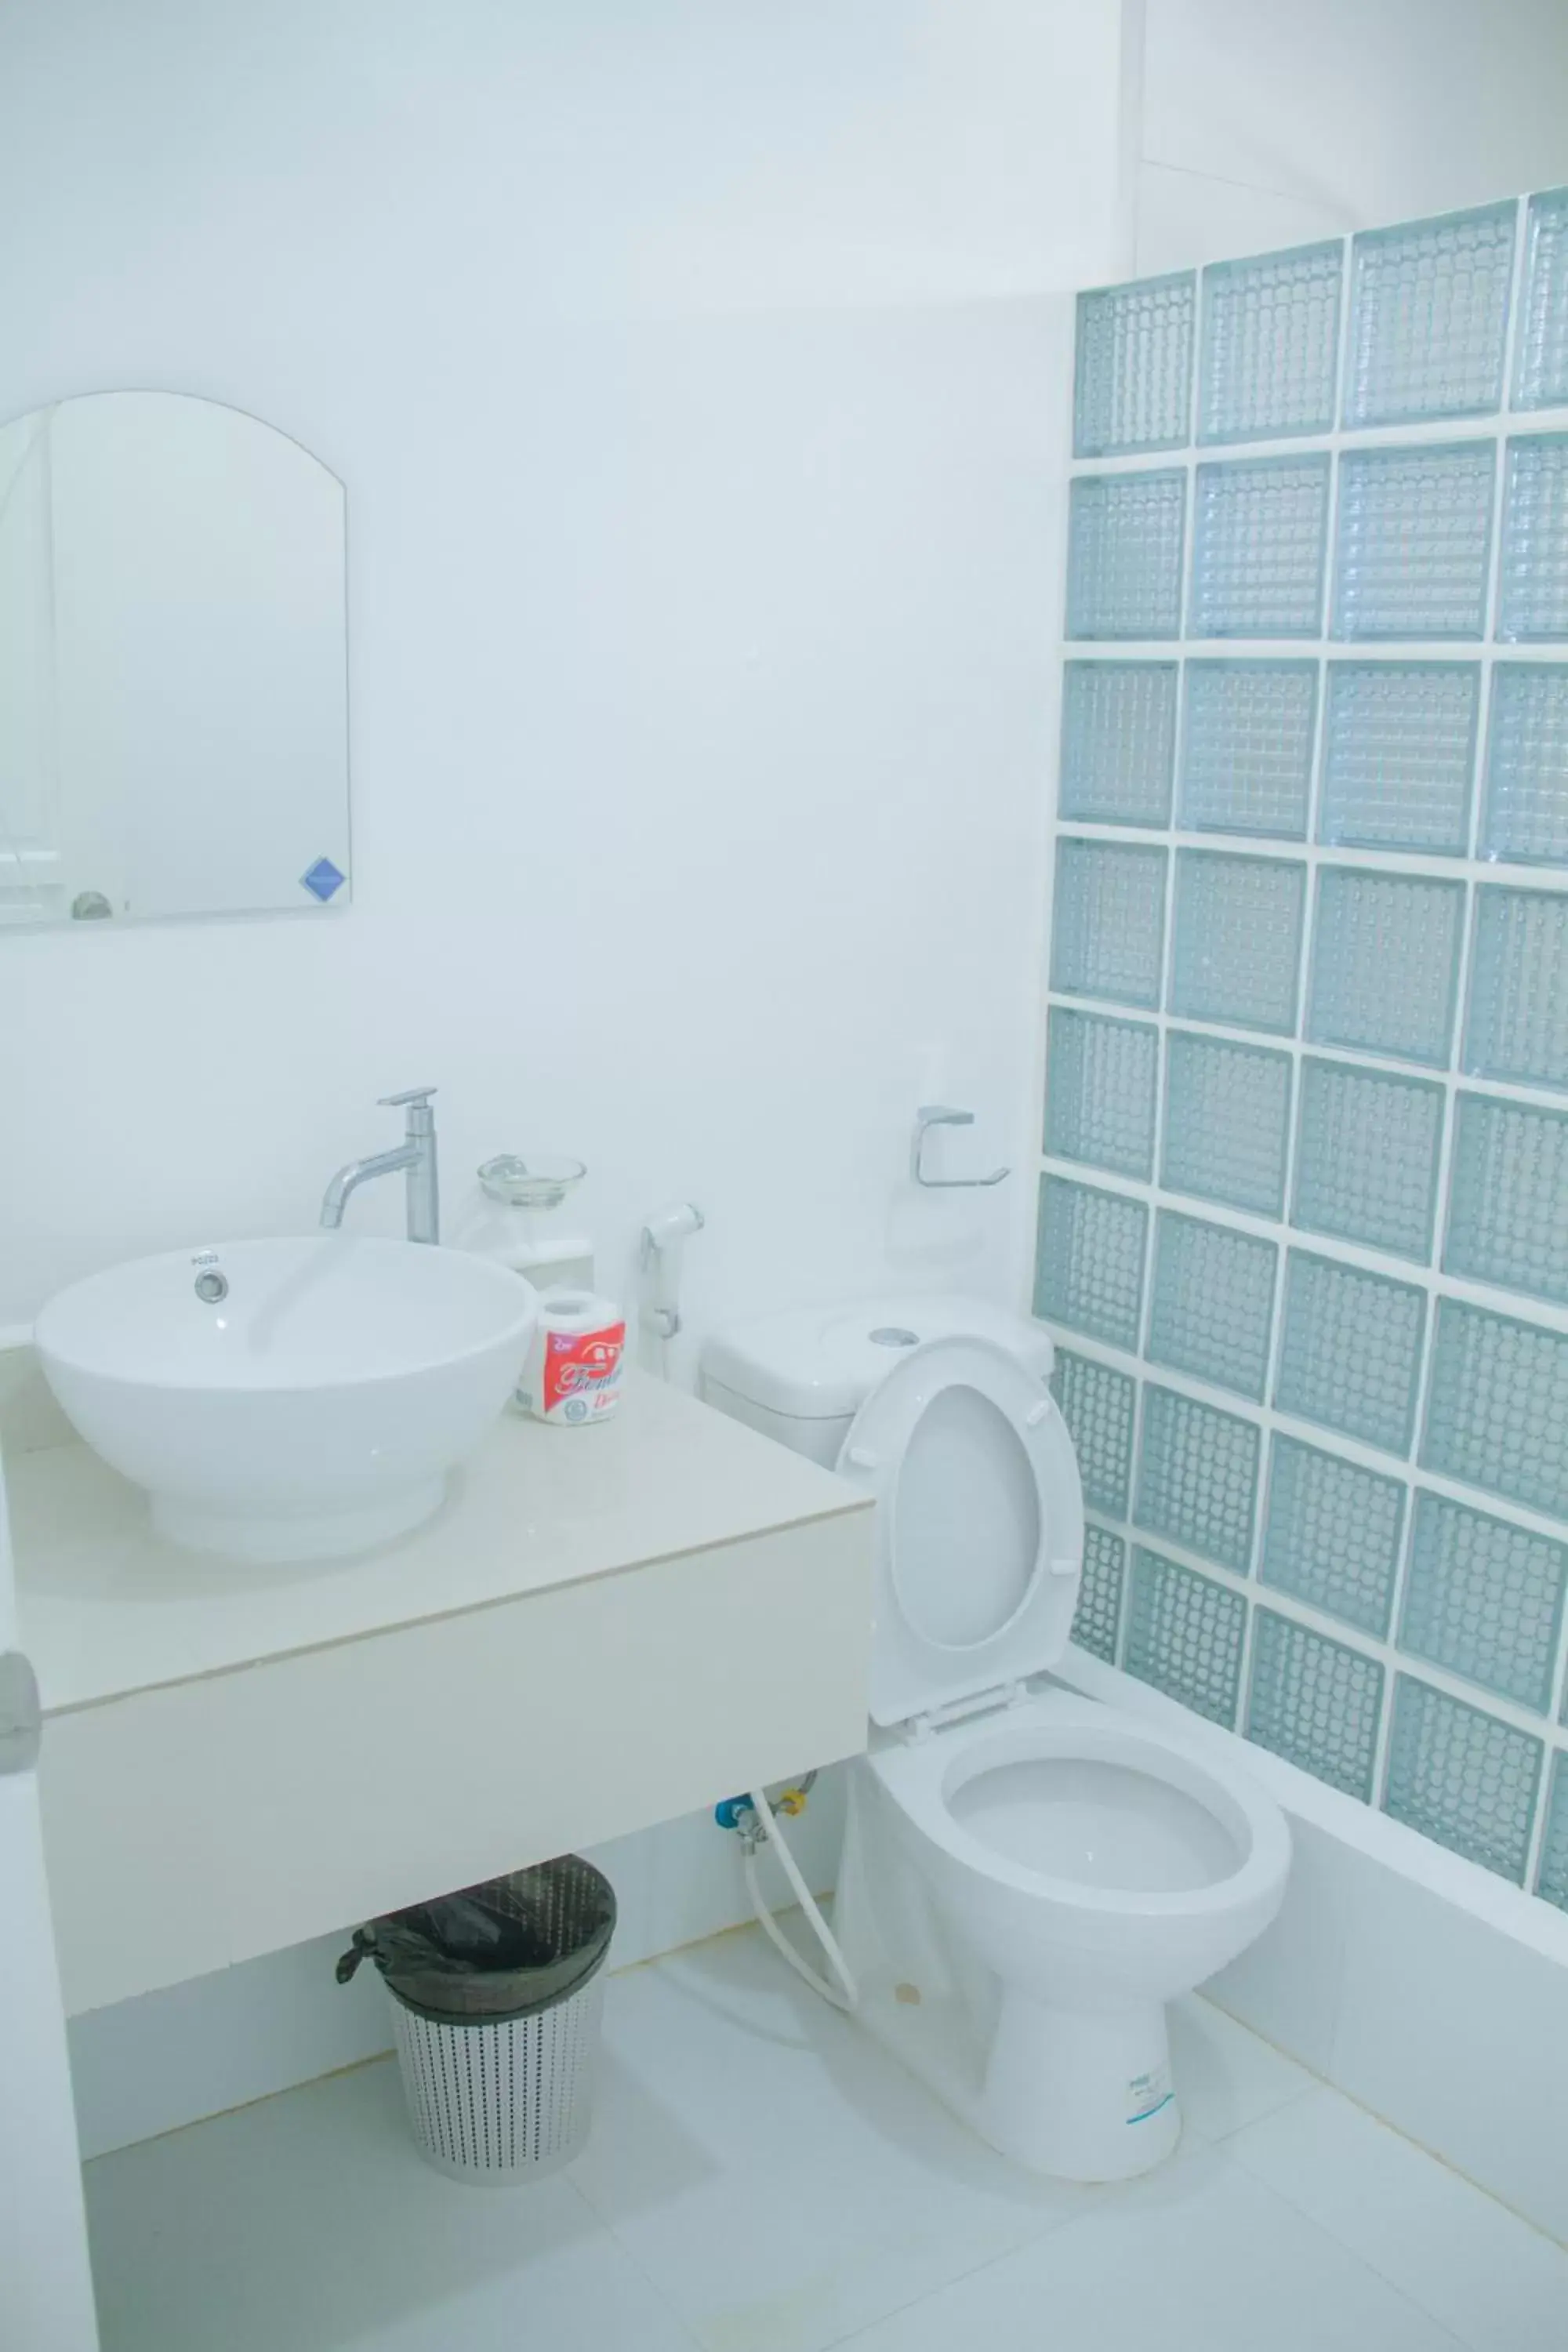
[292, 1399]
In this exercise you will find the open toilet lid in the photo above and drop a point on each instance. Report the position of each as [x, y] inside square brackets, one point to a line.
[979, 1529]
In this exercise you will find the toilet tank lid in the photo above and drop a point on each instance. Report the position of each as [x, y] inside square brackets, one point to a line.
[820, 1364]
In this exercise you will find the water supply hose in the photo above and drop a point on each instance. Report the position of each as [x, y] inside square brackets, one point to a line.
[759, 1826]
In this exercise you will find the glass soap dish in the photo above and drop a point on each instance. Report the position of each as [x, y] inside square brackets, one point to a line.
[542, 1183]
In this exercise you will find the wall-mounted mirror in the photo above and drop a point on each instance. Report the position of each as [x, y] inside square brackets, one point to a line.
[173, 730]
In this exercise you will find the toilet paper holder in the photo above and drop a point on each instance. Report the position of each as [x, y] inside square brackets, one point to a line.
[931, 1114]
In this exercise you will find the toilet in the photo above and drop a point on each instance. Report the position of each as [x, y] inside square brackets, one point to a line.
[1029, 1875]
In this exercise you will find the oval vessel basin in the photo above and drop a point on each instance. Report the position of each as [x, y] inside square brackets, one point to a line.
[290, 1399]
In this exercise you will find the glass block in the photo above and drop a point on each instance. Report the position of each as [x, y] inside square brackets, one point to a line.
[1351, 1355]
[1525, 817]
[1213, 1303]
[1532, 584]
[1484, 1599]
[1089, 1266]
[1258, 529]
[1366, 1157]
[1462, 1777]
[1227, 1117]
[1096, 1404]
[1246, 747]
[1237, 939]
[1517, 1026]
[1107, 929]
[1551, 1880]
[1100, 1080]
[1428, 317]
[1541, 355]
[1399, 751]
[1197, 1476]
[1184, 1635]
[1508, 1197]
[1331, 1534]
[1119, 741]
[1097, 1620]
[1134, 370]
[1385, 963]
[1315, 1701]
[1497, 1411]
[1414, 541]
[1125, 537]
[1271, 344]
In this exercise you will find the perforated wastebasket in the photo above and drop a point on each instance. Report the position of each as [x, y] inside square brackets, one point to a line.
[496, 1998]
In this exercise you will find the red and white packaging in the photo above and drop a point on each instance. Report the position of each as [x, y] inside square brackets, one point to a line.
[573, 1371]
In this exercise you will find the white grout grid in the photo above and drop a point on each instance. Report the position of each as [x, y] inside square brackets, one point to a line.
[1303, 1211]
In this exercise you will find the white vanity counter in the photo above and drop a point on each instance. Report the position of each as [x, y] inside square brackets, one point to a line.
[600, 1629]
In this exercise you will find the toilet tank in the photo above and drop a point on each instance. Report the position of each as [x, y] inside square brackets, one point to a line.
[803, 1375]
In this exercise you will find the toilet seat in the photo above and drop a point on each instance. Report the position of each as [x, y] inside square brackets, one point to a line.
[924, 1778]
[978, 1525]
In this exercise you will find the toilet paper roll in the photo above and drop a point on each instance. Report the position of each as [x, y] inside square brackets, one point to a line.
[573, 1371]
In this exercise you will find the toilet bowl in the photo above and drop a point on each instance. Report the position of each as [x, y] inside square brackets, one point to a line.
[1028, 1876]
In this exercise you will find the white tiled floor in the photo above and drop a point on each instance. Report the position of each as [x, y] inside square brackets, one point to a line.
[761, 2178]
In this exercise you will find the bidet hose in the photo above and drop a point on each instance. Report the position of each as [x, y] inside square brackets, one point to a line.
[766, 1822]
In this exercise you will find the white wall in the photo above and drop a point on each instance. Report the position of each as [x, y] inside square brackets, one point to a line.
[1267, 123]
[696, 383]
[697, 376]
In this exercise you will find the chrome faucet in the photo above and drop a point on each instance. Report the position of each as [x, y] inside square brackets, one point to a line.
[416, 1155]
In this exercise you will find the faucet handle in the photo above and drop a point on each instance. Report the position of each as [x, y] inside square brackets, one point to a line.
[420, 1095]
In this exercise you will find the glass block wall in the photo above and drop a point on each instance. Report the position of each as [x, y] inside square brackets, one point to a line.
[1303, 1195]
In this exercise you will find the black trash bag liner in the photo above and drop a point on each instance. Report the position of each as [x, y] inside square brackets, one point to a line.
[507, 1949]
